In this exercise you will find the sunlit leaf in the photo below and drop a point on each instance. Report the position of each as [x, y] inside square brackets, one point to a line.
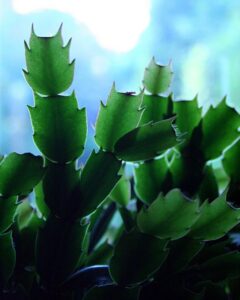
[59, 127]
[48, 69]
[120, 115]
[147, 141]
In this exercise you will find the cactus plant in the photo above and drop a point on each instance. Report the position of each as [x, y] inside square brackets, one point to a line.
[97, 232]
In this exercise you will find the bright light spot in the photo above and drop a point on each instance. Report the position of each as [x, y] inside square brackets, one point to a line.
[99, 65]
[116, 24]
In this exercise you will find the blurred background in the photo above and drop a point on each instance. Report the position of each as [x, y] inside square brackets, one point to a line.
[114, 40]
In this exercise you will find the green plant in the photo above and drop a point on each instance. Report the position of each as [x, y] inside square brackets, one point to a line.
[177, 213]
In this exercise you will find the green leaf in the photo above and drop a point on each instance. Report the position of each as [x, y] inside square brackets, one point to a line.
[59, 127]
[28, 224]
[112, 292]
[231, 161]
[208, 189]
[120, 115]
[222, 267]
[147, 141]
[220, 129]
[157, 78]
[98, 178]
[127, 267]
[48, 69]
[155, 108]
[169, 217]
[39, 200]
[58, 249]
[8, 208]
[216, 219]
[149, 179]
[188, 115]
[58, 185]
[7, 257]
[19, 173]
[121, 193]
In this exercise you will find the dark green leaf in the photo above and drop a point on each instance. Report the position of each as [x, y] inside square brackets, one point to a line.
[98, 178]
[19, 173]
[59, 246]
[147, 141]
[149, 178]
[231, 161]
[155, 108]
[7, 257]
[216, 219]
[171, 216]
[137, 256]
[208, 189]
[8, 208]
[182, 252]
[120, 115]
[112, 292]
[222, 267]
[58, 187]
[220, 129]
[48, 69]
[157, 78]
[59, 127]
[28, 224]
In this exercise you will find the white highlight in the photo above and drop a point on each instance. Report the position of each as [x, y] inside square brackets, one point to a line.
[116, 24]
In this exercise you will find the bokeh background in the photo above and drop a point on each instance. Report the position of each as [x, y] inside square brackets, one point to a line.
[114, 40]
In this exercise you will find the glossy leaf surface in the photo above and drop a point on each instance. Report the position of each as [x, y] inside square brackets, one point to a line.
[231, 161]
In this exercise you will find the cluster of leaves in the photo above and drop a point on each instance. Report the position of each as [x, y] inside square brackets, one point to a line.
[97, 232]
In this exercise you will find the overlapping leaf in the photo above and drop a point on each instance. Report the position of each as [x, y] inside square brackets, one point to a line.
[8, 208]
[58, 186]
[216, 219]
[231, 161]
[120, 115]
[98, 178]
[155, 108]
[48, 69]
[169, 217]
[19, 173]
[59, 127]
[150, 179]
[220, 129]
[147, 141]
[157, 78]
[137, 256]
[188, 115]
